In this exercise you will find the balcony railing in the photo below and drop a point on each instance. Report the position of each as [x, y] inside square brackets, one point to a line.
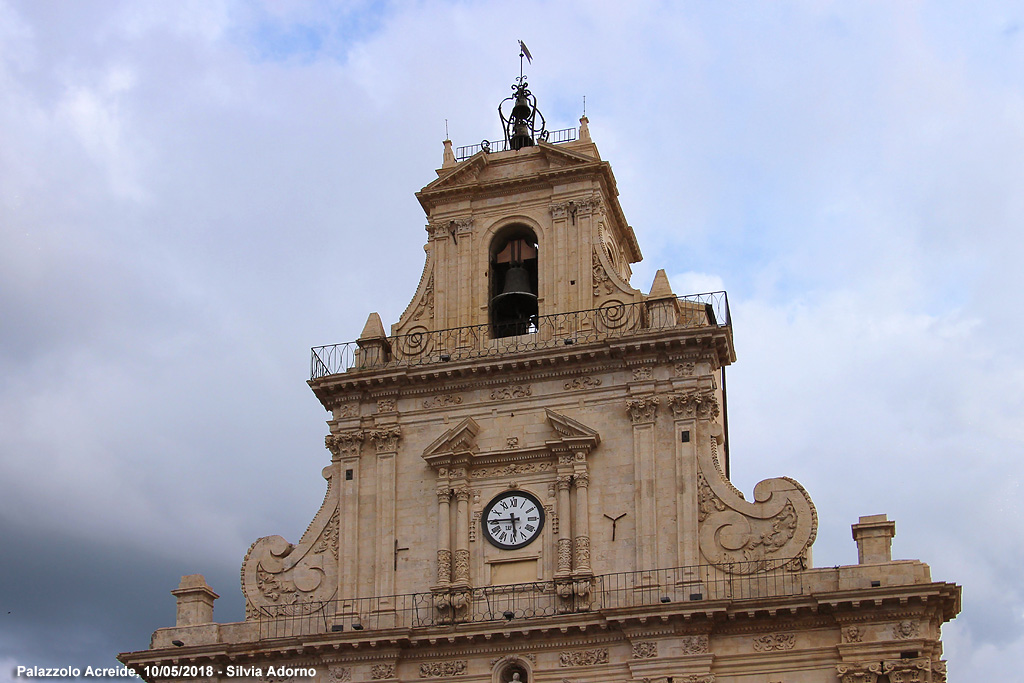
[553, 136]
[530, 601]
[539, 332]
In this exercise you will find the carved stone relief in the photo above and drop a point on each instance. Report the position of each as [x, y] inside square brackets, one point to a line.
[447, 669]
[645, 649]
[386, 405]
[512, 442]
[425, 309]
[774, 641]
[693, 645]
[339, 674]
[853, 634]
[511, 391]
[601, 278]
[684, 369]
[906, 629]
[512, 469]
[442, 400]
[583, 657]
[346, 410]
[379, 671]
[643, 373]
[582, 383]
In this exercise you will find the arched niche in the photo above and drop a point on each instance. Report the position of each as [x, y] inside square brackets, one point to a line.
[507, 667]
[513, 275]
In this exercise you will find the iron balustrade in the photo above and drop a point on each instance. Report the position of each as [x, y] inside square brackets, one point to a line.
[539, 332]
[538, 600]
[553, 136]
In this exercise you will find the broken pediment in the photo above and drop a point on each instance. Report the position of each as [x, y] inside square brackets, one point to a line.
[459, 442]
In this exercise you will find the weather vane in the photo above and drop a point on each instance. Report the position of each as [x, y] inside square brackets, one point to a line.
[521, 125]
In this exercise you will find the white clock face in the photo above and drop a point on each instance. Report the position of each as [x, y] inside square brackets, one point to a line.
[512, 520]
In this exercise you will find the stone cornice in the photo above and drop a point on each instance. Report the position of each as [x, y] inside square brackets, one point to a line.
[524, 365]
[581, 629]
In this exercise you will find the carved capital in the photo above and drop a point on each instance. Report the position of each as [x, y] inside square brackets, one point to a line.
[386, 439]
[582, 479]
[345, 444]
[699, 403]
[444, 495]
[564, 482]
[642, 409]
[862, 672]
[463, 493]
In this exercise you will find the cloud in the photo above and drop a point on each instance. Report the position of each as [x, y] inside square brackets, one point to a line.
[192, 194]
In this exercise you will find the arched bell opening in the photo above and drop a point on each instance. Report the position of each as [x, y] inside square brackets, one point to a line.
[513, 281]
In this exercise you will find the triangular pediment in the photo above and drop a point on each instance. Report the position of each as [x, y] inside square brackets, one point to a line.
[570, 431]
[460, 439]
[485, 167]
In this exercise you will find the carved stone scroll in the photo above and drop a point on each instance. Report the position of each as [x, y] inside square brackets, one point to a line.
[279, 578]
[744, 537]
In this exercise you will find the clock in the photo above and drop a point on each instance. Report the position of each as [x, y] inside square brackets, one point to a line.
[513, 519]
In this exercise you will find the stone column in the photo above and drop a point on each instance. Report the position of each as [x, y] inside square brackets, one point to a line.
[346, 448]
[385, 440]
[462, 536]
[643, 413]
[565, 526]
[582, 525]
[444, 535]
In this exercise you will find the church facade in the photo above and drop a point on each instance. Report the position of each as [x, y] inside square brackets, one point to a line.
[529, 479]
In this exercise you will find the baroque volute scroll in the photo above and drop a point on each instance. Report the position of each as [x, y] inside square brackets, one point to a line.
[281, 578]
[739, 536]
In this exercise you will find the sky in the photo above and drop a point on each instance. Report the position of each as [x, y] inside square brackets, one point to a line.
[193, 193]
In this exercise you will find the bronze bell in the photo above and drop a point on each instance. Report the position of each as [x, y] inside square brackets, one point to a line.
[515, 308]
[517, 281]
[522, 108]
[521, 137]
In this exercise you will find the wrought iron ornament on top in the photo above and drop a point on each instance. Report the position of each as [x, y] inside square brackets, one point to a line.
[521, 123]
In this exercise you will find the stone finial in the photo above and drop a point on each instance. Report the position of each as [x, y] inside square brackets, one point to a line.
[661, 289]
[584, 129]
[374, 348]
[373, 329]
[195, 601]
[449, 156]
[874, 534]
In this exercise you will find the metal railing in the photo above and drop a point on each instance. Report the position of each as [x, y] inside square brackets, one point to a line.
[538, 600]
[539, 332]
[554, 137]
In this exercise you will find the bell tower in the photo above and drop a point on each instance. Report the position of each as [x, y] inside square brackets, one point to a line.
[528, 475]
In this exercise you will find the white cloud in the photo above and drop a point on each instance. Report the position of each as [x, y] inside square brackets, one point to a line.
[187, 210]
